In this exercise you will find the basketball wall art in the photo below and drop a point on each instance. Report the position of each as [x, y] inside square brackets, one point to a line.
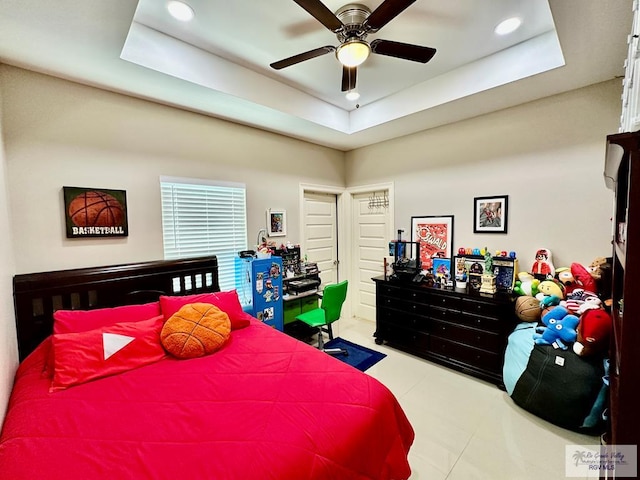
[93, 212]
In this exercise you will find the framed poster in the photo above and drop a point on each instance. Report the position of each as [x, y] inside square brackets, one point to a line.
[276, 223]
[95, 213]
[435, 235]
[490, 214]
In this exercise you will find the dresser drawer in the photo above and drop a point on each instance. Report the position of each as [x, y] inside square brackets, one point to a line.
[444, 314]
[474, 357]
[483, 323]
[410, 338]
[403, 319]
[406, 293]
[444, 301]
[485, 309]
[470, 336]
[405, 305]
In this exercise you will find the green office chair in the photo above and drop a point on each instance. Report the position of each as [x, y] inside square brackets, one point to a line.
[321, 318]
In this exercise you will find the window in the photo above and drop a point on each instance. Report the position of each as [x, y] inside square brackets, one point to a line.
[200, 218]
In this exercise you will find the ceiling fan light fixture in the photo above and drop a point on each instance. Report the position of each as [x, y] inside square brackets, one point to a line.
[508, 26]
[352, 95]
[353, 53]
[180, 11]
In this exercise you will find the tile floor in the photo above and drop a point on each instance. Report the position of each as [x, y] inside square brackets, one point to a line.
[465, 428]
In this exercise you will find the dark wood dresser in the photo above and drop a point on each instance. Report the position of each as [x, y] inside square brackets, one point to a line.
[466, 331]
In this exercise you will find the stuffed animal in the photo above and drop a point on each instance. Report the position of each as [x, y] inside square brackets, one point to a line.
[543, 267]
[583, 277]
[595, 267]
[593, 333]
[560, 327]
[580, 300]
[566, 278]
[548, 288]
[526, 284]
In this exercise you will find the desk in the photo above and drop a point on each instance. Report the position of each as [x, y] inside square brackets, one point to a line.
[294, 305]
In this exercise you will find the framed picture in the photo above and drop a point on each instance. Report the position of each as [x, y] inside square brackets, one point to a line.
[435, 235]
[490, 214]
[95, 212]
[442, 268]
[276, 223]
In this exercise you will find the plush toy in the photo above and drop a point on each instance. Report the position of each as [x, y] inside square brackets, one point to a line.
[595, 267]
[526, 284]
[543, 267]
[583, 277]
[580, 300]
[566, 278]
[548, 288]
[560, 326]
[593, 333]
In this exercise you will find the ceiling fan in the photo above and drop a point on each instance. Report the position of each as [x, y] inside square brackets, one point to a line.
[351, 24]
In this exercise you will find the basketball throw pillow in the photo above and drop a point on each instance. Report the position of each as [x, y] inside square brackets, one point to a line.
[197, 329]
[96, 209]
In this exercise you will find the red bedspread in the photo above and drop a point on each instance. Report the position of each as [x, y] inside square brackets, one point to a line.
[266, 406]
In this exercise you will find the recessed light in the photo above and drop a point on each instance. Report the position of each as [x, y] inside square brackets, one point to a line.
[180, 11]
[507, 26]
[352, 95]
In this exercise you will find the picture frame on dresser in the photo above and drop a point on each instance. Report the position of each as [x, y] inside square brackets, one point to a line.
[435, 234]
[490, 214]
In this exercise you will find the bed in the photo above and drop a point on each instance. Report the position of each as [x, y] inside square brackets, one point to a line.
[264, 406]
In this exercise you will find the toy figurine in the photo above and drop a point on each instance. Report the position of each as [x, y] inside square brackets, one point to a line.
[543, 267]
[488, 262]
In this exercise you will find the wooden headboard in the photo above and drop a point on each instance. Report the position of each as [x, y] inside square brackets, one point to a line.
[38, 295]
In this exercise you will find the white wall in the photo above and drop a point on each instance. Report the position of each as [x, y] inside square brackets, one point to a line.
[547, 155]
[8, 345]
[58, 133]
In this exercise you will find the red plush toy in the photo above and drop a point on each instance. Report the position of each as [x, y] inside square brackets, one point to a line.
[593, 333]
[583, 277]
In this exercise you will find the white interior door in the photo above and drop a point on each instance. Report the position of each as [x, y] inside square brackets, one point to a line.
[370, 237]
[320, 234]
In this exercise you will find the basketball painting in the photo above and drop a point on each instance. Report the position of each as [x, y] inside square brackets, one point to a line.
[92, 212]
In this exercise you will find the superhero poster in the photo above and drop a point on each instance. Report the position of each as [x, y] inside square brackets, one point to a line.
[93, 212]
[435, 235]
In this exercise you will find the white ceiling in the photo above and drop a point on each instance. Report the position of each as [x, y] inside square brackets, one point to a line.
[218, 64]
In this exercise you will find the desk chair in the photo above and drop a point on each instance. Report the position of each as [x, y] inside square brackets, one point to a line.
[321, 318]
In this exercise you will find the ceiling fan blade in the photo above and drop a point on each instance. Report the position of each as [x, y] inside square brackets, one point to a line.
[349, 78]
[301, 57]
[320, 12]
[406, 51]
[387, 11]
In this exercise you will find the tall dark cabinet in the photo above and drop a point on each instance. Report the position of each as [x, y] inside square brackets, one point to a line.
[622, 175]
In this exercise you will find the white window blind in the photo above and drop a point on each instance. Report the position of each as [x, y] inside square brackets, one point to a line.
[202, 218]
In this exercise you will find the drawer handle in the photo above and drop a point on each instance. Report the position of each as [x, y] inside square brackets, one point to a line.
[478, 321]
[478, 338]
[414, 294]
[443, 328]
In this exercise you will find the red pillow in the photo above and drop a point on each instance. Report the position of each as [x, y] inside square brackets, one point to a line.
[83, 356]
[226, 301]
[73, 321]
